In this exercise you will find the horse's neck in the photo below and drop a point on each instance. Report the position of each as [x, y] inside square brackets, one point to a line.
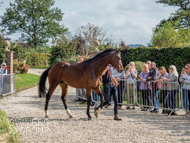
[100, 64]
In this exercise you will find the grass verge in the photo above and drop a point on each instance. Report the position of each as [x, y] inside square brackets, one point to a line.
[44, 67]
[25, 81]
[8, 132]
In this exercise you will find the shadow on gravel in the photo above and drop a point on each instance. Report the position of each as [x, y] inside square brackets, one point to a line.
[175, 124]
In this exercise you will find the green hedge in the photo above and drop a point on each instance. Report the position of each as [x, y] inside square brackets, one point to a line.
[163, 57]
[37, 59]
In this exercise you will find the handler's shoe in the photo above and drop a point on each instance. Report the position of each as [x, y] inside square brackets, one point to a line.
[117, 118]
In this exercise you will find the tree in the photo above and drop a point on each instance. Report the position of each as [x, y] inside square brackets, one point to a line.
[37, 20]
[168, 36]
[88, 34]
[183, 13]
[62, 49]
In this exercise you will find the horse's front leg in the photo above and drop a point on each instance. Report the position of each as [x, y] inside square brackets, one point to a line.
[88, 96]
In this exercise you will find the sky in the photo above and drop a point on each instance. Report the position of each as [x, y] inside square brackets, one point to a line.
[128, 20]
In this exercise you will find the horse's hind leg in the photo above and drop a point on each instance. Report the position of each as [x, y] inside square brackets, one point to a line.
[48, 96]
[88, 95]
[98, 92]
[64, 88]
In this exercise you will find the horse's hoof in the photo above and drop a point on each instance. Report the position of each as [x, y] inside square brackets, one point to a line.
[70, 116]
[46, 116]
[89, 118]
[95, 108]
[96, 113]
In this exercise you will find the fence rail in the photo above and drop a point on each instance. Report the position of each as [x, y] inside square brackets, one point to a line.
[185, 96]
[168, 96]
[7, 84]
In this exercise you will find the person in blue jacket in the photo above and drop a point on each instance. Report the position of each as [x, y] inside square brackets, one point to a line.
[3, 72]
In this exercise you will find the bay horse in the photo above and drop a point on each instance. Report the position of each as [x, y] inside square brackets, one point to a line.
[87, 75]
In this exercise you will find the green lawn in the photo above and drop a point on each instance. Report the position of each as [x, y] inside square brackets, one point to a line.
[25, 81]
[8, 132]
[44, 67]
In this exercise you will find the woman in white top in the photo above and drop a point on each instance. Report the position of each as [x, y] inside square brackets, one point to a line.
[3, 72]
[131, 75]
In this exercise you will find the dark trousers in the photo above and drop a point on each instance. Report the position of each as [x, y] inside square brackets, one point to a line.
[121, 92]
[170, 99]
[188, 97]
[108, 90]
[164, 94]
[146, 97]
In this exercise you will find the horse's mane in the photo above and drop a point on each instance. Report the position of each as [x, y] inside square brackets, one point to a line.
[101, 54]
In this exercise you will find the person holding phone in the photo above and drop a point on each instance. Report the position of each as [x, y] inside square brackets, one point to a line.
[3, 72]
[185, 79]
[172, 87]
[164, 91]
[153, 74]
[131, 75]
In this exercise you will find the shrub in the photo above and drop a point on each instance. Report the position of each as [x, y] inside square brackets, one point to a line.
[138, 65]
[39, 49]
[19, 53]
[37, 59]
[20, 67]
[63, 49]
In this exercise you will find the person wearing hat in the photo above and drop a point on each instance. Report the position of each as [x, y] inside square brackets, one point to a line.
[3, 72]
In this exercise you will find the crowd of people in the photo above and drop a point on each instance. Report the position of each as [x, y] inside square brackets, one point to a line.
[153, 81]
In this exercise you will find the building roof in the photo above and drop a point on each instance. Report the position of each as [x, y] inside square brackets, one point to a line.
[25, 46]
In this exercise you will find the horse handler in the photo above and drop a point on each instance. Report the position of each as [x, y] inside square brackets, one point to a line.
[110, 88]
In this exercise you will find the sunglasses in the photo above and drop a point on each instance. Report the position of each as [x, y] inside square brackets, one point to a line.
[186, 68]
[170, 68]
[4, 65]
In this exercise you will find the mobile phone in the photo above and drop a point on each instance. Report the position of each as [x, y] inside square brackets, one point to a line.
[183, 69]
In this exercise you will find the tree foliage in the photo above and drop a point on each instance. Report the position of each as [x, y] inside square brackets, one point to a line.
[62, 50]
[37, 20]
[19, 53]
[183, 12]
[89, 34]
[169, 36]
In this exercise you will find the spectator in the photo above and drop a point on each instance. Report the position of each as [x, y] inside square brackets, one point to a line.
[148, 63]
[131, 75]
[164, 91]
[80, 92]
[185, 78]
[144, 87]
[3, 72]
[110, 85]
[172, 88]
[155, 87]
[120, 87]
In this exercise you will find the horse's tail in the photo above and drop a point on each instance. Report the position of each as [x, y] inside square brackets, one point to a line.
[42, 83]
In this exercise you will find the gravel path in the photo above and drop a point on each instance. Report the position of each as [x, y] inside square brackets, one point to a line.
[27, 111]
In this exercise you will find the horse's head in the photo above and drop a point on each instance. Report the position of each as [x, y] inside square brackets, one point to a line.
[116, 61]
